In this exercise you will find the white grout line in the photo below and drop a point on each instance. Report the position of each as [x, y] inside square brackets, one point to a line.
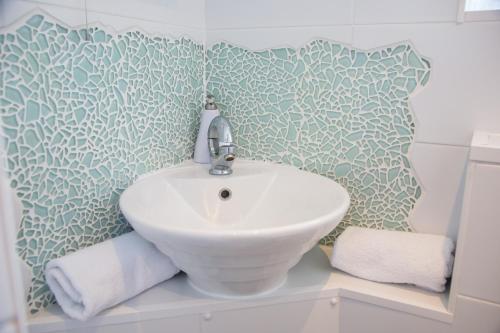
[264, 27]
[441, 144]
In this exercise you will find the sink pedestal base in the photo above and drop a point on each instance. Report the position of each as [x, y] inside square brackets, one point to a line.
[237, 289]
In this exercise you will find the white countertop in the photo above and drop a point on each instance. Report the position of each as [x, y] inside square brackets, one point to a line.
[312, 278]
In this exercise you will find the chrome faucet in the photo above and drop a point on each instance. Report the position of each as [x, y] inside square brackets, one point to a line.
[220, 146]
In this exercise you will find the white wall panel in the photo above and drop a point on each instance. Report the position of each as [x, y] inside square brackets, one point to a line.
[461, 96]
[404, 11]
[168, 17]
[441, 171]
[462, 93]
[479, 269]
[13, 10]
[76, 4]
[186, 13]
[12, 305]
[237, 14]
[154, 28]
[258, 39]
[7, 300]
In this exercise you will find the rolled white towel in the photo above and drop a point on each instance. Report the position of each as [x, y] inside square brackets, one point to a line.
[394, 256]
[97, 277]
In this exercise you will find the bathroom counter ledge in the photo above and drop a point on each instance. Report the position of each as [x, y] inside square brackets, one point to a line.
[312, 278]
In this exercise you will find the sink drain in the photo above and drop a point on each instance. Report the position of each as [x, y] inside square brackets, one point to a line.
[225, 194]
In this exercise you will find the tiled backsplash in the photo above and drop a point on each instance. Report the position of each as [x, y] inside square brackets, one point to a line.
[85, 111]
[329, 109]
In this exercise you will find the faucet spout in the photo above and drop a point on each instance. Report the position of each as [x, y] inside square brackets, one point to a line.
[221, 146]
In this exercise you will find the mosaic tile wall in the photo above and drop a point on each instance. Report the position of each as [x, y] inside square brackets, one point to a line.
[329, 109]
[84, 112]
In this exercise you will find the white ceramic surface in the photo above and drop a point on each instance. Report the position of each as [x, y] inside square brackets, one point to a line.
[241, 246]
[441, 170]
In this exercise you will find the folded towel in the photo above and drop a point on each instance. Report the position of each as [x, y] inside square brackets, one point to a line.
[97, 277]
[394, 256]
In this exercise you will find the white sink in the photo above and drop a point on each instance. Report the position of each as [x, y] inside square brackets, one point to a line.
[239, 246]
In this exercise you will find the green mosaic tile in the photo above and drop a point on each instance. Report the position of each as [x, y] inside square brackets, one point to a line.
[84, 112]
[332, 110]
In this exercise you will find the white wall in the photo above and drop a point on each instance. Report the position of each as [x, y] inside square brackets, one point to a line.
[462, 94]
[12, 277]
[163, 17]
[175, 18]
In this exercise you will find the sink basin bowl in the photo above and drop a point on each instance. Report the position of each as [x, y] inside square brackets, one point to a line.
[236, 235]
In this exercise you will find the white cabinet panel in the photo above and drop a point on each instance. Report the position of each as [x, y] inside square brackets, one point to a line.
[479, 274]
[474, 316]
[184, 324]
[359, 317]
[316, 316]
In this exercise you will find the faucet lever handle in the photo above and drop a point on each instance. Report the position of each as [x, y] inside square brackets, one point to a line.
[226, 144]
